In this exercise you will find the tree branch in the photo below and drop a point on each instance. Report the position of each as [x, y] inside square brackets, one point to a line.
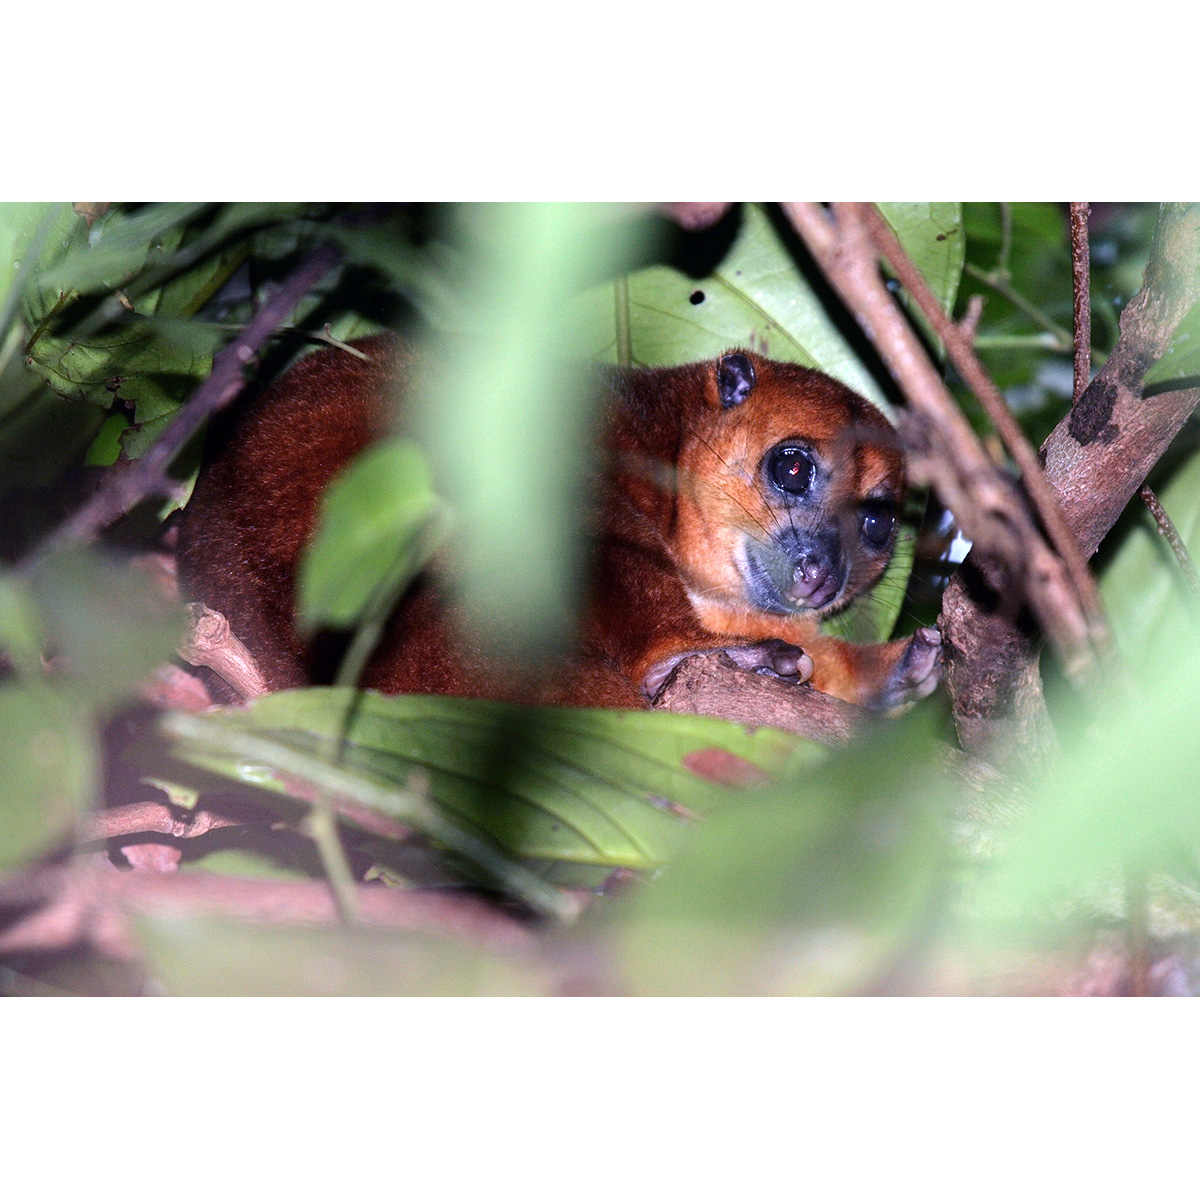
[943, 449]
[1096, 459]
[83, 905]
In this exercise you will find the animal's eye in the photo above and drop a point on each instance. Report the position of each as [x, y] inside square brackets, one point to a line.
[878, 521]
[791, 469]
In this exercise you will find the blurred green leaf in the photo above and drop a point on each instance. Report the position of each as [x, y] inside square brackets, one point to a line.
[48, 770]
[811, 890]
[378, 524]
[225, 958]
[20, 225]
[108, 624]
[1122, 797]
[21, 632]
[599, 787]
[505, 414]
[83, 260]
[244, 863]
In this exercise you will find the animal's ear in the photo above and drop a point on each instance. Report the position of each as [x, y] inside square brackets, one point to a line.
[735, 378]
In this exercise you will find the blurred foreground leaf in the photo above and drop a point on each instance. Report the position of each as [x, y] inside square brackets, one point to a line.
[1123, 797]
[193, 957]
[506, 415]
[108, 623]
[48, 770]
[816, 889]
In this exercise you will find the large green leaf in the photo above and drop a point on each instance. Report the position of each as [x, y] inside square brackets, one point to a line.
[601, 788]
[757, 297]
[48, 770]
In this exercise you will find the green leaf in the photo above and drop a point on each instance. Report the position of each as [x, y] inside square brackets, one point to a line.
[222, 958]
[378, 524]
[872, 617]
[148, 362]
[811, 890]
[506, 417]
[48, 770]
[1152, 612]
[20, 225]
[1121, 796]
[107, 622]
[596, 787]
[1179, 366]
[21, 632]
[106, 445]
[759, 298]
[112, 251]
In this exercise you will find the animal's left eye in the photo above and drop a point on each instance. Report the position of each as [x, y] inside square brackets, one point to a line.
[791, 469]
[878, 521]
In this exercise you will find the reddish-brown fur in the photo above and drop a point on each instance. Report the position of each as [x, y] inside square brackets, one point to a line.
[685, 495]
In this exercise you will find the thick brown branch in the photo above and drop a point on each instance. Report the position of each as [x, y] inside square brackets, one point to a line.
[1115, 435]
[211, 643]
[712, 686]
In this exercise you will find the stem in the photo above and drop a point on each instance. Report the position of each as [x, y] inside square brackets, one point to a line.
[1167, 528]
[999, 284]
[1081, 296]
[624, 332]
[1005, 239]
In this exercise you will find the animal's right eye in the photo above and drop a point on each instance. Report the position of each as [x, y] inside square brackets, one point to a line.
[791, 469]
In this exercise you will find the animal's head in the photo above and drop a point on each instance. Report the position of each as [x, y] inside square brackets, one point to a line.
[789, 490]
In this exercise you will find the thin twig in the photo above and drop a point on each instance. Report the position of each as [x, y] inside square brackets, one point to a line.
[148, 476]
[1082, 298]
[999, 284]
[1167, 528]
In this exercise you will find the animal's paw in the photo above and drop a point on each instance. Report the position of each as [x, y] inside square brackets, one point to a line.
[773, 657]
[916, 674]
